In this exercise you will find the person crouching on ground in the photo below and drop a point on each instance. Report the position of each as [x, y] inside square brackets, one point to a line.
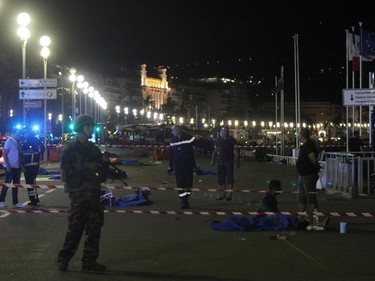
[269, 200]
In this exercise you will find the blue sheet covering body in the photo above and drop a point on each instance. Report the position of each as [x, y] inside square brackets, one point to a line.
[257, 223]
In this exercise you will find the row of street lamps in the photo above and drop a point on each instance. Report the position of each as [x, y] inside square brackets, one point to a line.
[23, 20]
[23, 32]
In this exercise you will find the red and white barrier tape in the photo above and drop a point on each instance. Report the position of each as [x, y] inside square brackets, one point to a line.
[44, 186]
[245, 147]
[193, 213]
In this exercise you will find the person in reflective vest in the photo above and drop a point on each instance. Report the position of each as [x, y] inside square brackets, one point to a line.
[31, 150]
[182, 162]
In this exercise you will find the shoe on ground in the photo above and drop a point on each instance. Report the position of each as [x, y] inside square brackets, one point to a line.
[228, 198]
[19, 205]
[221, 198]
[3, 205]
[93, 266]
[33, 204]
[63, 265]
[184, 205]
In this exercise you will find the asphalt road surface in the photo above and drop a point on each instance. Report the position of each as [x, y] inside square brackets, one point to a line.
[184, 247]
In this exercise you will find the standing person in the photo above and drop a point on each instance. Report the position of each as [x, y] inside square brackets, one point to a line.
[182, 162]
[32, 149]
[227, 151]
[83, 170]
[308, 168]
[355, 144]
[12, 168]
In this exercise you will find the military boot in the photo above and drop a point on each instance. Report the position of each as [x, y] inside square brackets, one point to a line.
[184, 203]
[93, 266]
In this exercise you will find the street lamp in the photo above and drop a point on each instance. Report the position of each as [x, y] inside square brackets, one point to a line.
[73, 79]
[23, 20]
[80, 86]
[118, 112]
[126, 111]
[50, 122]
[85, 92]
[45, 41]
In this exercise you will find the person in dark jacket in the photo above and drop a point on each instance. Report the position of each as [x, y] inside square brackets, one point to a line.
[308, 168]
[32, 149]
[227, 152]
[83, 169]
[355, 144]
[182, 162]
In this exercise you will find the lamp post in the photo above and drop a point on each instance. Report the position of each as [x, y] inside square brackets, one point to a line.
[73, 79]
[23, 19]
[126, 112]
[80, 86]
[95, 97]
[85, 91]
[50, 122]
[118, 112]
[45, 41]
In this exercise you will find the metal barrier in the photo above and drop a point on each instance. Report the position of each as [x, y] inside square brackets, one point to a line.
[345, 172]
[290, 160]
[350, 172]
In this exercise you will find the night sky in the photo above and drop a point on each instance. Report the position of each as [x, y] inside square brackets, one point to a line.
[232, 38]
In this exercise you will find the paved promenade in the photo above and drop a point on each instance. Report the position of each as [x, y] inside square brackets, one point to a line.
[184, 247]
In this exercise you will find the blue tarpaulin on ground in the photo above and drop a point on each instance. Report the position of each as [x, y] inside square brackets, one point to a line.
[256, 223]
[139, 198]
[130, 162]
[200, 172]
[43, 171]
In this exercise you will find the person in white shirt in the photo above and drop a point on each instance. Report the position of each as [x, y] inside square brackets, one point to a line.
[12, 169]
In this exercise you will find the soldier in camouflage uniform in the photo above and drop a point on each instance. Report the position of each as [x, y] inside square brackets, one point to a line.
[83, 170]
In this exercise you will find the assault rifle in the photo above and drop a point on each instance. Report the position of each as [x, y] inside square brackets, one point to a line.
[114, 173]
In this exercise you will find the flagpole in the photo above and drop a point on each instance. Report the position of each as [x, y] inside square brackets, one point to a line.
[360, 83]
[353, 86]
[295, 92]
[371, 112]
[347, 87]
[282, 111]
[276, 142]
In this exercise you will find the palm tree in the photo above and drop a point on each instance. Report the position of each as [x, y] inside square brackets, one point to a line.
[148, 103]
[169, 107]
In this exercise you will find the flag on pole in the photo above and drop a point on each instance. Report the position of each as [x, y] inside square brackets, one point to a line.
[354, 46]
[354, 50]
[279, 87]
[367, 43]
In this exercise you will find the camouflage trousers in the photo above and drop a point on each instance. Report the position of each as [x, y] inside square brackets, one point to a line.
[86, 214]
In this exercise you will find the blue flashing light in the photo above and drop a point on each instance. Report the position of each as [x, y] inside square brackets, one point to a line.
[35, 128]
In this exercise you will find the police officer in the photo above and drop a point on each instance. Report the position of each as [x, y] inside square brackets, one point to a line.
[31, 150]
[83, 169]
[182, 162]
